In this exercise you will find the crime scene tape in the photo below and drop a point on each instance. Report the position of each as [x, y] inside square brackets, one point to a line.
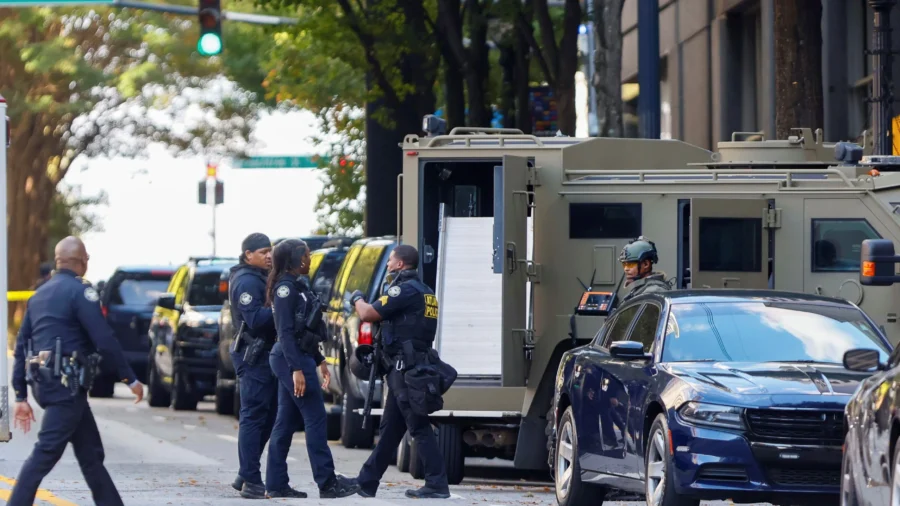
[19, 296]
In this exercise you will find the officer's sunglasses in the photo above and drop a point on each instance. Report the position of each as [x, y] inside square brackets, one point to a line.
[629, 265]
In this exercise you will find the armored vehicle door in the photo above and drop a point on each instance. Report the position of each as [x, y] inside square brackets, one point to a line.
[729, 243]
[510, 261]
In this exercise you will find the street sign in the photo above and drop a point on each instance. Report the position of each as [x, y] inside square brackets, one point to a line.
[277, 162]
[34, 3]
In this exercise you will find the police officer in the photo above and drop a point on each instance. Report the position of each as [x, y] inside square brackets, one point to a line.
[409, 315]
[637, 258]
[62, 322]
[294, 359]
[254, 338]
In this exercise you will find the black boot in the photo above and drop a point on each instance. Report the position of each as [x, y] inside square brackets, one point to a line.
[362, 492]
[238, 483]
[340, 486]
[287, 492]
[253, 491]
[427, 492]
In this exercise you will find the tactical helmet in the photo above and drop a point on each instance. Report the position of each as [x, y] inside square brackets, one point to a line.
[361, 361]
[638, 250]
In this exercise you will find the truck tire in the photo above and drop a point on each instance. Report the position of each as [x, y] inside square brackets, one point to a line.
[451, 445]
[103, 387]
[224, 397]
[157, 395]
[352, 433]
[403, 454]
[182, 398]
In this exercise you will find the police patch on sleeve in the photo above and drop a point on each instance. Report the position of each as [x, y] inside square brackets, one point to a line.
[246, 298]
[91, 294]
[283, 291]
[394, 291]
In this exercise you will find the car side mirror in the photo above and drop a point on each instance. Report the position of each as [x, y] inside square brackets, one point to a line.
[628, 350]
[863, 360]
[167, 301]
[877, 262]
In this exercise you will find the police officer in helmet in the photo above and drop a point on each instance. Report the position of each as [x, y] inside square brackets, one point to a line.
[294, 358]
[254, 338]
[637, 258]
[61, 338]
[408, 313]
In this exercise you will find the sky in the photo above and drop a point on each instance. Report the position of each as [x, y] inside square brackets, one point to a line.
[153, 216]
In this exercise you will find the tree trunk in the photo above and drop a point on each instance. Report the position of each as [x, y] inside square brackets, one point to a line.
[522, 92]
[449, 27]
[508, 88]
[608, 65]
[454, 96]
[798, 66]
[478, 65]
[559, 62]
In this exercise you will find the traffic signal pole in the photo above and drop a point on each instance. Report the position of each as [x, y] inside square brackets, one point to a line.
[5, 434]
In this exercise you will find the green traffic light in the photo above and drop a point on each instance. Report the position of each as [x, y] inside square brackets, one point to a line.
[209, 44]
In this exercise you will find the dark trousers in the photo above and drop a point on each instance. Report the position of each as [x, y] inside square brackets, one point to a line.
[291, 411]
[259, 396]
[67, 419]
[396, 420]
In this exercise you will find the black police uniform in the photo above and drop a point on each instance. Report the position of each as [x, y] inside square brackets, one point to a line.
[409, 314]
[292, 296]
[259, 391]
[65, 308]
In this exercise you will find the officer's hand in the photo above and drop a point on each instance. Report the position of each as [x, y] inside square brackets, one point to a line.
[138, 391]
[326, 376]
[299, 384]
[24, 416]
[355, 296]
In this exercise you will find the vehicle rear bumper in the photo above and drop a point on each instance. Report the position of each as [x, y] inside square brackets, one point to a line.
[711, 464]
[198, 360]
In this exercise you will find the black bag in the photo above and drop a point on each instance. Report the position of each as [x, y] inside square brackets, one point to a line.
[424, 385]
[447, 373]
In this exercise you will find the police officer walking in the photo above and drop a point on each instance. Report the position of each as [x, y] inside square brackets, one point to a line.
[637, 258]
[298, 320]
[409, 322]
[253, 339]
[63, 334]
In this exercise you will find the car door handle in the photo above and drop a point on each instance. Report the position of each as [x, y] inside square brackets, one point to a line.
[605, 384]
[577, 370]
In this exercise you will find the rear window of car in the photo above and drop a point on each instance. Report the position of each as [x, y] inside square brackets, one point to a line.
[204, 290]
[138, 289]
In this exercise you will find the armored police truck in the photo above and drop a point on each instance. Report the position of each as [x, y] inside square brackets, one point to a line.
[510, 228]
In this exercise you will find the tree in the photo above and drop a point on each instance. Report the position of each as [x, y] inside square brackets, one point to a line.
[90, 81]
[472, 61]
[69, 215]
[608, 62]
[799, 100]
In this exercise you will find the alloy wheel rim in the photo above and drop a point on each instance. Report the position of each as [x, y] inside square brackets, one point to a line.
[656, 469]
[564, 460]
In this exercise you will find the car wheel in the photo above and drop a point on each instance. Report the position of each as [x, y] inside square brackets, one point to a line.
[352, 433]
[103, 387]
[182, 398]
[895, 475]
[570, 490]
[224, 397]
[157, 395]
[848, 482]
[660, 483]
[403, 454]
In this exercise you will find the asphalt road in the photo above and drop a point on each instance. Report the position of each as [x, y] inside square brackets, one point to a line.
[160, 457]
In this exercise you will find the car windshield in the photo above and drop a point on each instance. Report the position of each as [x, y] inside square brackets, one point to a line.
[766, 332]
[205, 289]
[141, 292]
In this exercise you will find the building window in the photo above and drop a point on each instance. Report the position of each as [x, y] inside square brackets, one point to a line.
[836, 243]
[604, 221]
[730, 244]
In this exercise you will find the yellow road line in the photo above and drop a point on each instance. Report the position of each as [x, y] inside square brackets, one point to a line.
[42, 495]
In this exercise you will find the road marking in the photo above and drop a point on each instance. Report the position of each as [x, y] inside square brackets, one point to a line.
[42, 494]
[190, 427]
[226, 437]
[159, 418]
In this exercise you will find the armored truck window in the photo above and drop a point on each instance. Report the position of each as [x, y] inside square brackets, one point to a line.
[604, 221]
[730, 244]
[644, 330]
[836, 243]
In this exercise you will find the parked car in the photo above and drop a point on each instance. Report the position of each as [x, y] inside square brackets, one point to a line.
[323, 270]
[871, 465]
[363, 269]
[127, 300]
[184, 335]
[709, 394]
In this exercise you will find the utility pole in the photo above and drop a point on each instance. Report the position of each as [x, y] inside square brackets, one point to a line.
[648, 69]
[5, 434]
[211, 184]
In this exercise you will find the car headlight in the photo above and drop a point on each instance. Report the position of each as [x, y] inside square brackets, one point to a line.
[712, 415]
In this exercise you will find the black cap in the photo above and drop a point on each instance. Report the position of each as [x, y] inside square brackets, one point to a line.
[254, 242]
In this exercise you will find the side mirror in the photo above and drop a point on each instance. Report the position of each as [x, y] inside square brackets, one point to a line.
[594, 304]
[877, 262]
[863, 360]
[628, 350]
[167, 301]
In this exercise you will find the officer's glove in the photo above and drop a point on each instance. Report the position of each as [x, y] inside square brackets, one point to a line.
[355, 296]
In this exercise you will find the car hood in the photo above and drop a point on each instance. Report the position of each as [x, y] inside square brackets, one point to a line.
[768, 378]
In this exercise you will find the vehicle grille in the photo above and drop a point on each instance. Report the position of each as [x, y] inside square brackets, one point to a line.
[784, 426]
[808, 477]
[716, 472]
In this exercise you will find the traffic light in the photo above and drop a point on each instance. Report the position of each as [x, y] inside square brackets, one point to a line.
[201, 187]
[210, 42]
[211, 170]
[220, 192]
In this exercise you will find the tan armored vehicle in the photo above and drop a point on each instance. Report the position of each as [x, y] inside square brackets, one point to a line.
[783, 214]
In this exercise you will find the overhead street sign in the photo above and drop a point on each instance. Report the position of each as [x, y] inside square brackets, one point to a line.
[277, 162]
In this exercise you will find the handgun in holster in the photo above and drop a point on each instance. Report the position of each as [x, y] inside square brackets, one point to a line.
[236, 342]
[89, 370]
[255, 348]
[308, 327]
